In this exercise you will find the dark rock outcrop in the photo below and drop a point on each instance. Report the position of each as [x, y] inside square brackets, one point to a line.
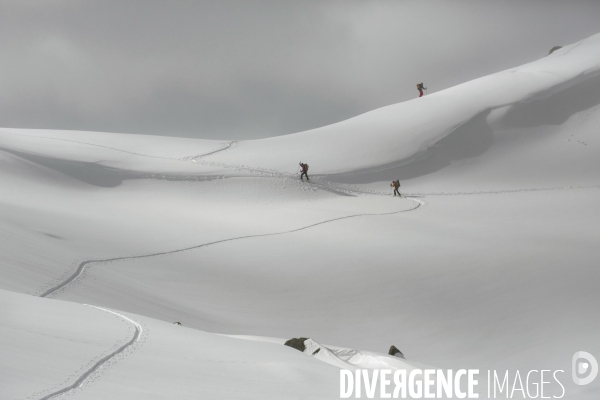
[552, 50]
[297, 343]
[395, 352]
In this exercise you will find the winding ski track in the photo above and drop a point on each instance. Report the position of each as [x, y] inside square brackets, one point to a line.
[76, 276]
[103, 361]
[483, 192]
[226, 147]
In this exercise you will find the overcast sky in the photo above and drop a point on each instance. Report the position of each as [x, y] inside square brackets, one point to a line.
[252, 69]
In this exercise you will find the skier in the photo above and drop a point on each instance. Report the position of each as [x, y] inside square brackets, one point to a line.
[304, 170]
[396, 184]
[420, 88]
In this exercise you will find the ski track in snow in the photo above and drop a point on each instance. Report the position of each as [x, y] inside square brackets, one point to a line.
[336, 188]
[482, 192]
[198, 159]
[104, 361]
[191, 158]
[84, 265]
[224, 146]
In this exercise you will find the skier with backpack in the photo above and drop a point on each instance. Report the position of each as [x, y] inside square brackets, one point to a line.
[396, 184]
[304, 170]
[420, 88]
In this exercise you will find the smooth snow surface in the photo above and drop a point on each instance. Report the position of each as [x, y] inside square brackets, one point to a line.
[490, 260]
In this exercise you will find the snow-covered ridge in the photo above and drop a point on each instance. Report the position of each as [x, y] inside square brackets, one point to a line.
[378, 139]
[396, 133]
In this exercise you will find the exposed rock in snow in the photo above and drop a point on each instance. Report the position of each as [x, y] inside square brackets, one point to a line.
[552, 50]
[297, 343]
[395, 352]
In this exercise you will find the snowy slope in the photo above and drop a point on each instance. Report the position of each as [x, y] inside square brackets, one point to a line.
[51, 345]
[491, 264]
[393, 134]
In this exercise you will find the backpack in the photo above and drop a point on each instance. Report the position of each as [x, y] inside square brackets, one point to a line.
[398, 182]
[305, 167]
